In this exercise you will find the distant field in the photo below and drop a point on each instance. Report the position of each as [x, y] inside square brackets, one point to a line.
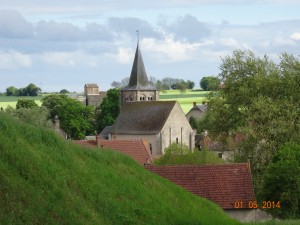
[185, 100]
[12, 100]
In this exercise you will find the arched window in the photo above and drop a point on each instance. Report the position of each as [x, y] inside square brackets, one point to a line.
[150, 147]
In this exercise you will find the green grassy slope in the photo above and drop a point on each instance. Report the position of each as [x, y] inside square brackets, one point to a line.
[47, 180]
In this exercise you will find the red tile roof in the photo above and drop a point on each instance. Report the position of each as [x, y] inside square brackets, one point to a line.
[137, 149]
[223, 184]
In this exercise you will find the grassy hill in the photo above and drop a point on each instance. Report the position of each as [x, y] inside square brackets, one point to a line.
[47, 180]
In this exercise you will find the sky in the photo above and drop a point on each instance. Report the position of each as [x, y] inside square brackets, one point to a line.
[62, 44]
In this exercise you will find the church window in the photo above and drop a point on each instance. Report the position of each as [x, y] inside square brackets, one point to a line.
[150, 147]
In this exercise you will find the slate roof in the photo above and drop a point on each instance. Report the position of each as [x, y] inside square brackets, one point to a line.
[137, 149]
[92, 85]
[138, 78]
[146, 117]
[223, 184]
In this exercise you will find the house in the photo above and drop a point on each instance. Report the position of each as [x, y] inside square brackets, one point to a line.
[228, 185]
[197, 111]
[136, 149]
[159, 122]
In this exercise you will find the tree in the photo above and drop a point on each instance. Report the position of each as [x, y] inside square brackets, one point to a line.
[32, 90]
[116, 84]
[26, 103]
[190, 84]
[109, 109]
[181, 86]
[210, 83]
[177, 154]
[282, 182]
[76, 119]
[11, 91]
[260, 103]
[64, 91]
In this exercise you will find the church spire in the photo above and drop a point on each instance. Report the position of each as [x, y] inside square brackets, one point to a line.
[138, 78]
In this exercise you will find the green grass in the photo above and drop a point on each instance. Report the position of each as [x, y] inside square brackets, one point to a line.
[185, 100]
[47, 180]
[277, 222]
[6, 101]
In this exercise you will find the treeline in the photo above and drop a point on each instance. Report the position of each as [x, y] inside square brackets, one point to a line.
[30, 90]
[207, 83]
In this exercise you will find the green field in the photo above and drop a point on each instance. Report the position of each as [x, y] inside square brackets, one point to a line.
[12, 100]
[185, 100]
[47, 180]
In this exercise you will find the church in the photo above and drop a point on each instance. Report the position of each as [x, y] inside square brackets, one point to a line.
[143, 116]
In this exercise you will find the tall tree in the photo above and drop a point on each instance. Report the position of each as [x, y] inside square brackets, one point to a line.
[76, 119]
[210, 83]
[11, 91]
[109, 109]
[259, 102]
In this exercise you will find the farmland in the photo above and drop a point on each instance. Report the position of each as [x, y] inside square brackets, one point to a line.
[6, 101]
[185, 100]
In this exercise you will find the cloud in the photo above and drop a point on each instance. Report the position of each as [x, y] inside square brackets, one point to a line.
[188, 28]
[129, 26]
[13, 25]
[295, 36]
[14, 60]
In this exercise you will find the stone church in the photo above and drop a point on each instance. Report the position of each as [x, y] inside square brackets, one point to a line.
[142, 116]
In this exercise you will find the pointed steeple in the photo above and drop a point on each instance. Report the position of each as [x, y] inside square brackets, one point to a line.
[138, 78]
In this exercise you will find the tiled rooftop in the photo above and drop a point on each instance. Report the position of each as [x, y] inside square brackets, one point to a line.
[223, 184]
[137, 149]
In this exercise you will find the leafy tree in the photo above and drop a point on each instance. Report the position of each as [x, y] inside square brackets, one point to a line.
[109, 109]
[177, 154]
[116, 84]
[11, 91]
[26, 103]
[76, 119]
[182, 86]
[31, 90]
[210, 83]
[282, 182]
[190, 84]
[260, 102]
[64, 91]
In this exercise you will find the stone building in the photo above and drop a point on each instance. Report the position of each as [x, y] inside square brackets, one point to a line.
[138, 88]
[92, 95]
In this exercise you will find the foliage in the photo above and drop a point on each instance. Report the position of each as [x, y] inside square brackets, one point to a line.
[282, 181]
[26, 103]
[64, 91]
[30, 90]
[47, 180]
[11, 91]
[109, 109]
[190, 84]
[182, 86]
[76, 119]
[177, 154]
[260, 103]
[36, 116]
[210, 83]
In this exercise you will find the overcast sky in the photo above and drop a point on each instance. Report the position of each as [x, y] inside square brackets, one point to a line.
[64, 44]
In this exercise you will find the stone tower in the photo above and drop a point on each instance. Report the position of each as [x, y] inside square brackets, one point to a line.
[139, 88]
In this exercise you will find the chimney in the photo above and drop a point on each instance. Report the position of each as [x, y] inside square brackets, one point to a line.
[194, 104]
